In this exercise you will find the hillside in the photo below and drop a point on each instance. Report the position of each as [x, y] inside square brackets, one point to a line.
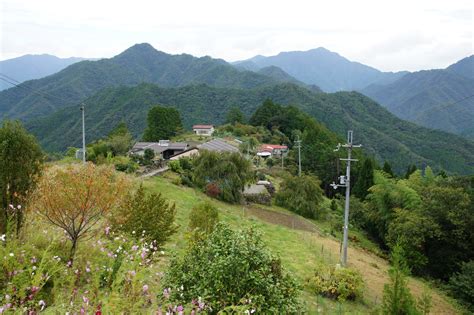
[30, 67]
[303, 245]
[326, 69]
[140, 63]
[383, 135]
[439, 99]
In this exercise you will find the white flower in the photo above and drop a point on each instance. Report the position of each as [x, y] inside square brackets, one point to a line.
[11, 254]
[3, 237]
[34, 267]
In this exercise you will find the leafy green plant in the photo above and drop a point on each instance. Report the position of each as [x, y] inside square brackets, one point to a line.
[301, 195]
[149, 216]
[337, 283]
[203, 218]
[461, 284]
[232, 268]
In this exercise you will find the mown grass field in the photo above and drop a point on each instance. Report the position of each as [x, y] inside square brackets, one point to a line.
[300, 251]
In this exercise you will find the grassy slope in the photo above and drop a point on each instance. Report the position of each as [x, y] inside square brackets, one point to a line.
[300, 252]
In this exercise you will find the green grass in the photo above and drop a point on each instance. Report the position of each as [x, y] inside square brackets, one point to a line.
[298, 250]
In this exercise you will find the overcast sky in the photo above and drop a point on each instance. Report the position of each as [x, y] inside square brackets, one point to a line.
[389, 35]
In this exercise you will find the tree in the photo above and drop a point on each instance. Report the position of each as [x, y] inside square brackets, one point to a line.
[235, 115]
[229, 172]
[365, 179]
[301, 194]
[264, 114]
[148, 156]
[410, 170]
[76, 197]
[146, 215]
[162, 123]
[397, 298]
[387, 168]
[119, 139]
[21, 161]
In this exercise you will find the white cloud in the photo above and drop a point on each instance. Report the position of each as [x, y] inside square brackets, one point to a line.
[396, 35]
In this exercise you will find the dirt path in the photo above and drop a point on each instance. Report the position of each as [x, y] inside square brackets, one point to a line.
[372, 268]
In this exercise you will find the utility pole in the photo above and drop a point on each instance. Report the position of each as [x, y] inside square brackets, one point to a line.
[83, 135]
[299, 155]
[345, 181]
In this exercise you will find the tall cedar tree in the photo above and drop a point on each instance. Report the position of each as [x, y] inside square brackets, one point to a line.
[365, 179]
[162, 123]
[265, 113]
[20, 164]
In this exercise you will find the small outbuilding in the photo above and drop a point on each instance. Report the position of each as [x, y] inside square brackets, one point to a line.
[203, 130]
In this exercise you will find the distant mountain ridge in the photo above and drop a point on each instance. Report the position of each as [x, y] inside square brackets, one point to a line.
[324, 68]
[139, 63]
[30, 67]
[440, 99]
[383, 135]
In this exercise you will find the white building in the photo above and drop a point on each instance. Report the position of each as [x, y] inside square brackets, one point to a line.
[203, 130]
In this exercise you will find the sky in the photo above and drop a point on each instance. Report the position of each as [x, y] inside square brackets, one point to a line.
[388, 35]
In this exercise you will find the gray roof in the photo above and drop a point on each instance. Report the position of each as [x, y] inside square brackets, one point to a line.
[157, 148]
[255, 190]
[218, 145]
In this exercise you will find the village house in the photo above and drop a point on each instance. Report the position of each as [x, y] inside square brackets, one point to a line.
[203, 130]
[163, 149]
[272, 150]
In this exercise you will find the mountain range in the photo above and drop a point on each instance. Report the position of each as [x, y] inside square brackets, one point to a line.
[441, 99]
[29, 67]
[324, 68]
[203, 89]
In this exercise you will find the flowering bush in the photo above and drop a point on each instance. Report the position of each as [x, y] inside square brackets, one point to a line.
[232, 269]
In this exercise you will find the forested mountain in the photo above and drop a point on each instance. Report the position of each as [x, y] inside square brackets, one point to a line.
[439, 99]
[383, 135]
[281, 76]
[326, 69]
[31, 67]
[140, 63]
[464, 67]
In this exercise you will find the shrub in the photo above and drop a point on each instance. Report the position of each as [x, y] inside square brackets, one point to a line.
[124, 164]
[203, 218]
[175, 166]
[301, 195]
[337, 283]
[461, 284]
[212, 190]
[150, 216]
[232, 268]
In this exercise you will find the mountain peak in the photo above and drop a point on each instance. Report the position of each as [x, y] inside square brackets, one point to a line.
[141, 49]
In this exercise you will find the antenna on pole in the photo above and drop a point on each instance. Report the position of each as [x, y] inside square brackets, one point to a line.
[345, 181]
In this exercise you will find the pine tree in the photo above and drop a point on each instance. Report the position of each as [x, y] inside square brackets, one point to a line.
[410, 170]
[162, 123]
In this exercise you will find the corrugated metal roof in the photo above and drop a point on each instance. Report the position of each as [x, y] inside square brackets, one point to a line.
[218, 145]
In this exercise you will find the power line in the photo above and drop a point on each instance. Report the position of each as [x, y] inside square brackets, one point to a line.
[26, 87]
